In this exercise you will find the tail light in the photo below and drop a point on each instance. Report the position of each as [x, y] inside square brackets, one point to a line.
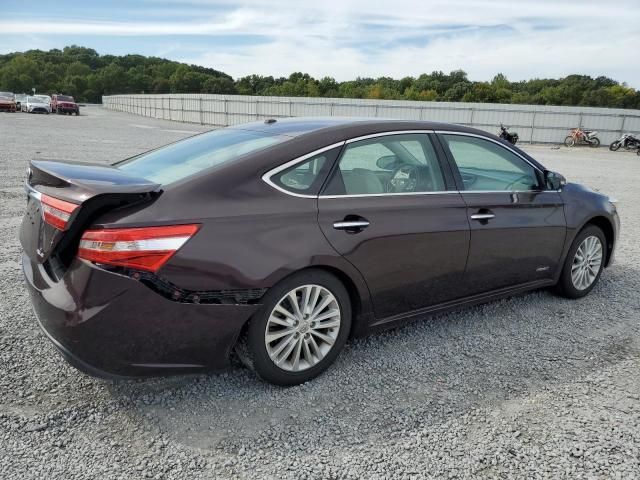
[147, 248]
[57, 212]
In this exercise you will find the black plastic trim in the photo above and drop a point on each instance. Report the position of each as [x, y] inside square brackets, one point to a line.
[162, 286]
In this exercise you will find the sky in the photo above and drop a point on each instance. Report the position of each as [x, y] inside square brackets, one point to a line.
[345, 39]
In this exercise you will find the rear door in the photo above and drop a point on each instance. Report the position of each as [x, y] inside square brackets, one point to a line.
[392, 210]
[517, 227]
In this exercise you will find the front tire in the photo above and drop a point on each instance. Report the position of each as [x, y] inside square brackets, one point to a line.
[584, 263]
[301, 328]
[615, 146]
[569, 141]
[595, 143]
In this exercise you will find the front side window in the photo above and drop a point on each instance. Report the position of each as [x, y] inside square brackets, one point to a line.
[487, 166]
[404, 163]
[200, 152]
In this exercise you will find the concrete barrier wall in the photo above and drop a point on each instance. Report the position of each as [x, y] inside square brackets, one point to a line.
[533, 123]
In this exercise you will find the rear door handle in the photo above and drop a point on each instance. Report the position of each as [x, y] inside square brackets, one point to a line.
[351, 226]
[482, 216]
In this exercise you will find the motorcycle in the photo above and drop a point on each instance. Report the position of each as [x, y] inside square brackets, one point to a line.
[578, 136]
[626, 141]
[505, 134]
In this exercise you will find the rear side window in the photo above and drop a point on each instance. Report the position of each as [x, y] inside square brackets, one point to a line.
[306, 177]
[193, 155]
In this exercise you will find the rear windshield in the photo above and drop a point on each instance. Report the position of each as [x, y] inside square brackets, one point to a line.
[193, 155]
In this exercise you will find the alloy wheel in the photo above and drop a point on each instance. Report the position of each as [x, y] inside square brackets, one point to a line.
[302, 328]
[586, 263]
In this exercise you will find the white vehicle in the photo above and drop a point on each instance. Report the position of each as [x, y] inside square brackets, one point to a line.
[37, 104]
[20, 99]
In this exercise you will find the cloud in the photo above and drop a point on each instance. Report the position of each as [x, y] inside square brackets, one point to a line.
[350, 38]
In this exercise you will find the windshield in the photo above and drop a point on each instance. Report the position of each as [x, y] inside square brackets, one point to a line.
[65, 98]
[35, 100]
[6, 95]
[193, 155]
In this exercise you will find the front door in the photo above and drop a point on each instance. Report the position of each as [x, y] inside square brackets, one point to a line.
[517, 227]
[394, 213]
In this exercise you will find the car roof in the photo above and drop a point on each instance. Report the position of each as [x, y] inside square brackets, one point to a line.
[297, 126]
[310, 134]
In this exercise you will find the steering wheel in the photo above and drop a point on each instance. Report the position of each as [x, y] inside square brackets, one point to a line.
[404, 179]
[525, 177]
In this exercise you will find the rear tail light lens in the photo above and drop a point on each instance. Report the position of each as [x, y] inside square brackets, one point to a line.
[147, 248]
[57, 212]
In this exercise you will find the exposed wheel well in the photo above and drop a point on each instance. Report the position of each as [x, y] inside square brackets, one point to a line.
[605, 225]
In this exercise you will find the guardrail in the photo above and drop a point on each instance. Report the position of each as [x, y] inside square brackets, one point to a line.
[533, 123]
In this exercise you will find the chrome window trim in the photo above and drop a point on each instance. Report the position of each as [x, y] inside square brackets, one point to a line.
[387, 134]
[400, 194]
[504, 191]
[438, 192]
[267, 176]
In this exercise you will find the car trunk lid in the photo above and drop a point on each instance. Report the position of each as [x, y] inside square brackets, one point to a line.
[78, 193]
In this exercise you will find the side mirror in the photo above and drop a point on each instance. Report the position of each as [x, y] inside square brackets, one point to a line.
[553, 180]
[388, 162]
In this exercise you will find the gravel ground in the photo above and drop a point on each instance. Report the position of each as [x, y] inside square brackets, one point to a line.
[533, 386]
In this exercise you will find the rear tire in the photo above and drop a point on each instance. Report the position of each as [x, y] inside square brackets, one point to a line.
[569, 141]
[615, 146]
[571, 284]
[285, 348]
[595, 143]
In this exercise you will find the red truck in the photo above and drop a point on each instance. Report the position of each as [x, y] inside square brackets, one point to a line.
[64, 104]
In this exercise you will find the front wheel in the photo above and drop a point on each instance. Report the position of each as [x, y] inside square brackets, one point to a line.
[615, 146]
[584, 263]
[301, 328]
[594, 143]
[569, 141]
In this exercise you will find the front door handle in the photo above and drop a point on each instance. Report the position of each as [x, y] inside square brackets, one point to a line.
[351, 226]
[482, 216]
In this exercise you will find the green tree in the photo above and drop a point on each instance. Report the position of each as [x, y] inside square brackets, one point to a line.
[219, 85]
[87, 75]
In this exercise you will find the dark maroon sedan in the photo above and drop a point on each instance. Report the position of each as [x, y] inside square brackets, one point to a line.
[281, 239]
